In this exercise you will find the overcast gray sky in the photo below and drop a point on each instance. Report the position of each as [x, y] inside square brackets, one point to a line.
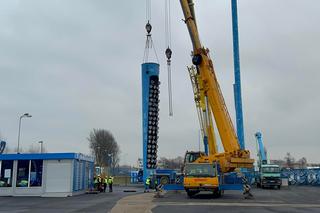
[75, 65]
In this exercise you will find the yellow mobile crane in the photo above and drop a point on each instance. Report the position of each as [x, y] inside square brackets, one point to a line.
[206, 171]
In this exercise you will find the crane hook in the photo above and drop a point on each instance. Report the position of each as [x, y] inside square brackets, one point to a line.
[148, 28]
[168, 53]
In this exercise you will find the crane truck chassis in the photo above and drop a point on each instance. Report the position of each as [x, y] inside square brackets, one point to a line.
[269, 174]
[201, 177]
[202, 174]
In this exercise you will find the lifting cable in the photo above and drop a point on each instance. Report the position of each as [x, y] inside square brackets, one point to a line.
[168, 51]
[149, 42]
[148, 10]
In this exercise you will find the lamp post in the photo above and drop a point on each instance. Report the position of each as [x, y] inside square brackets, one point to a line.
[41, 144]
[25, 115]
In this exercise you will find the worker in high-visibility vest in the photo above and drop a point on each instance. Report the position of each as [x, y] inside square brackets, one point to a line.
[100, 189]
[105, 182]
[147, 184]
[96, 183]
[110, 182]
[156, 184]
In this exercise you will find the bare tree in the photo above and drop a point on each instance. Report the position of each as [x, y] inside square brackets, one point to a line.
[302, 163]
[171, 163]
[289, 160]
[115, 158]
[280, 162]
[104, 147]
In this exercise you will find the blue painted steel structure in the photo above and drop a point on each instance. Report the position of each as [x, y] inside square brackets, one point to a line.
[174, 187]
[261, 150]
[148, 70]
[172, 175]
[302, 176]
[228, 181]
[237, 78]
[46, 156]
[82, 179]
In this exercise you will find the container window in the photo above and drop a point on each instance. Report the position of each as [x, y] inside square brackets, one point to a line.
[36, 173]
[23, 173]
[6, 173]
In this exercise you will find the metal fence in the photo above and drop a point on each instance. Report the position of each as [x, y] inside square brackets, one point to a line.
[302, 176]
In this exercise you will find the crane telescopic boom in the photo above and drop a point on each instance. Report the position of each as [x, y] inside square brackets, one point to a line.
[262, 154]
[232, 157]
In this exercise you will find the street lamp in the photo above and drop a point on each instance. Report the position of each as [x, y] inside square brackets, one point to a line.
[41, 144]
[25, 115]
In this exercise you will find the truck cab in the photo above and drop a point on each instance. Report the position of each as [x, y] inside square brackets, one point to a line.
[201, 177]
[269, 176]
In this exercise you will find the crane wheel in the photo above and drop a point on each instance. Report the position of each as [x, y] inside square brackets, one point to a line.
[164, 180]
[191, 193]
[217, 193]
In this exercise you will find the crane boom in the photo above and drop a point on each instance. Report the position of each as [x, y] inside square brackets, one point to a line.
[233, 157]
[211, 85]
[262, 155]
[187, 7]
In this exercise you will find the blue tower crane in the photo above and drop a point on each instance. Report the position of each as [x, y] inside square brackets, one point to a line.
[237, 78]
